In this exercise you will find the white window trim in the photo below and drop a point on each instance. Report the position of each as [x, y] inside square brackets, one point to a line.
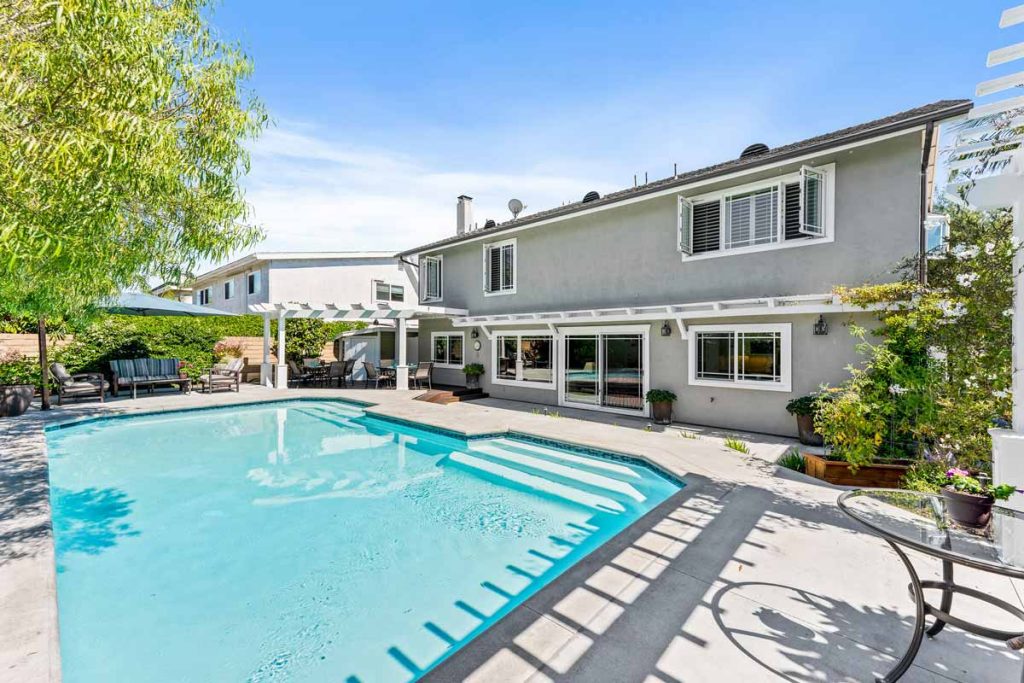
[391, 291]
[448, 366]
[515, 266]
[644, 330]
[440, 279]
[786, 374]
[830, 209]
[255, 275]
[555, 365]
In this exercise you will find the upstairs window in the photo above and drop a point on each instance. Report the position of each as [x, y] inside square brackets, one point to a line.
[252, 283]
[431, 278]
[500, 267]
[387, 292]
[229, 289]
[794, 207]
[204, 297]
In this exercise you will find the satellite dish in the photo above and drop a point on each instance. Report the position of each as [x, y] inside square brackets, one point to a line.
[516, 207]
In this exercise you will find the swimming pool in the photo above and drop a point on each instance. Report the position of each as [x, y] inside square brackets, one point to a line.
[307, 541]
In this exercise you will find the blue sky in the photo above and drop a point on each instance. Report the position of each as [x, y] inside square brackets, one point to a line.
[385, 112]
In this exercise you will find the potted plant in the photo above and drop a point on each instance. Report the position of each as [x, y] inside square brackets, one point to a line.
[224, 352]
[969, 500]
[804, 408]
[473, 371]
[18, 376]
[661, 401]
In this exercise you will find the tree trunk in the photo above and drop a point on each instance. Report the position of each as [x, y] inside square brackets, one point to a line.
[45, 373]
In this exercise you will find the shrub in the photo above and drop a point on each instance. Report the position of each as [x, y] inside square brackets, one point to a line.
[660, 396]
[792, 460]
[473, 369]
[809, 404]
[737, 445]
[18, 369]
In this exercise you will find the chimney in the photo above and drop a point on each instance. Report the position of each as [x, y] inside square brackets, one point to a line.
[464, 215]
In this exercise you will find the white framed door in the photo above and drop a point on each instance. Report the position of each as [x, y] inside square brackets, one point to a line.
[605, 368]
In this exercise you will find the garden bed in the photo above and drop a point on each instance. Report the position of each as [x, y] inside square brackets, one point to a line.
[878, 475]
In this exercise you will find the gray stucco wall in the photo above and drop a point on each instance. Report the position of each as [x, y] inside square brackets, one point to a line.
[627, 255]
[815, 360]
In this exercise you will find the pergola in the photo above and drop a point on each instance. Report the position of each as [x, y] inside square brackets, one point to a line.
[269, 376]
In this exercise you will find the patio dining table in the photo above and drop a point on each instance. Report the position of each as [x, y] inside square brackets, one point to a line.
[921, 522]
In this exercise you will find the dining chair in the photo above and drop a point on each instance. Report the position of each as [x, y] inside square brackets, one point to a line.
[422, 374]
[346, 375]
[298, 376]
[374, 375]
[336, 371]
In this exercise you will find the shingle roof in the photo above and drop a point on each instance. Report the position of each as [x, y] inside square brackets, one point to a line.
[889, 124]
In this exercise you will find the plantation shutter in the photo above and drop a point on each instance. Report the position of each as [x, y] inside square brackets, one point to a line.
[791, 212]
[812, 202]
[685, 226]
[430, 278]
[706, 229]
[507, 266]
[493, 269]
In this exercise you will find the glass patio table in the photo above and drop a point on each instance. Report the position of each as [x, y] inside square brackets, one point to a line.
[920, 521]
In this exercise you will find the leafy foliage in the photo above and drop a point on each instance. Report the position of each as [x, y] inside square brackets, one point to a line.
[306, 337]
[808, 404]
[737, 445]
[473, 369]
[939, 376]
[933, 477]
[792, 460]
[123, 131]
[18, 369]
[660, 396]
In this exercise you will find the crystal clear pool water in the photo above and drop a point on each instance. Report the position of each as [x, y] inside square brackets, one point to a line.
[305, 541]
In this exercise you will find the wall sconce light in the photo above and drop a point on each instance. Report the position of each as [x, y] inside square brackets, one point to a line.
[820, 326]
[474, 333]
[666, 329]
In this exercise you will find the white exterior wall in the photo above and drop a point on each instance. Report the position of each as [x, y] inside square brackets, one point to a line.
[342, 282]
[339, 281]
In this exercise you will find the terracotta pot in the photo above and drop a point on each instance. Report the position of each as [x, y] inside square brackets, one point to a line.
[968, 509]
[805, 431]
[15, 399]
[662, 412]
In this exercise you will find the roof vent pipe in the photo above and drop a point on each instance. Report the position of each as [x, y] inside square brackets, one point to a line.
[489, 223]
[756, 149]
[591, 196]
[463, 215]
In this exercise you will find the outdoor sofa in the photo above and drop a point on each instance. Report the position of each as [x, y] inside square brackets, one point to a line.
[146, 372]
[78, 386]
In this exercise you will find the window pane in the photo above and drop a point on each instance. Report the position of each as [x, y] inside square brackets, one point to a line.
[397, 293]
[714, 355]
[737, 232]
[581, 370]
[752, 218]
[455, 350]
[383, 291]
[766, 217]
[537, 358]
[440, 349]
[506, 358]
[623, 371]
[760, 356]
[507, 258]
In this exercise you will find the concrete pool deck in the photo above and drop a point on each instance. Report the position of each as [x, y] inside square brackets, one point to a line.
[750, 572]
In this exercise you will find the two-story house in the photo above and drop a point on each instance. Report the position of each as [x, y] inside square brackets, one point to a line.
[715, 284]
[367, 278]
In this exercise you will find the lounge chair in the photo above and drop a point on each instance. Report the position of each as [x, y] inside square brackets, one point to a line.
[374, 375]
[226, 376]
[78, 386]
[422, 374]
[297, 376]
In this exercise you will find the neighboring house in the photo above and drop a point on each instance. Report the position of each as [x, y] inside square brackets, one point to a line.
[715, 283]
[182, 293]
[367, 278]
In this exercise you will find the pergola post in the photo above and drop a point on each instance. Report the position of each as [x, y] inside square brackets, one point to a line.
[281, 377]
[402, 367]
[266, 368]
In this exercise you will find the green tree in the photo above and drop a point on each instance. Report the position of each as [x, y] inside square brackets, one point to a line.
[123, 128]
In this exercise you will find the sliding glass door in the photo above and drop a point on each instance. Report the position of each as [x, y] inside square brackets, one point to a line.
[605, 370]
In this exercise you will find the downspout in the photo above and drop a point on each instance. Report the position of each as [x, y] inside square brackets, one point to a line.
[926, 155]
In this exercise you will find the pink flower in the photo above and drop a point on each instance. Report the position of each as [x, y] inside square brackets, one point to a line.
[956, 472]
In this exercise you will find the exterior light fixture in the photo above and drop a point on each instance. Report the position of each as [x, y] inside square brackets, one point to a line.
[820, 326]
[666, 330]
[474, 333]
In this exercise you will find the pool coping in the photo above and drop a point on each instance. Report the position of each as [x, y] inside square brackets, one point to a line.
[38, 428]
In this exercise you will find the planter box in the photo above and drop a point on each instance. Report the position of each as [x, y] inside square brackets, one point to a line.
[886, 476]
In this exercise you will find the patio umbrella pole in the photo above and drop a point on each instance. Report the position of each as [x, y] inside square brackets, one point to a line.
[44, 377]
